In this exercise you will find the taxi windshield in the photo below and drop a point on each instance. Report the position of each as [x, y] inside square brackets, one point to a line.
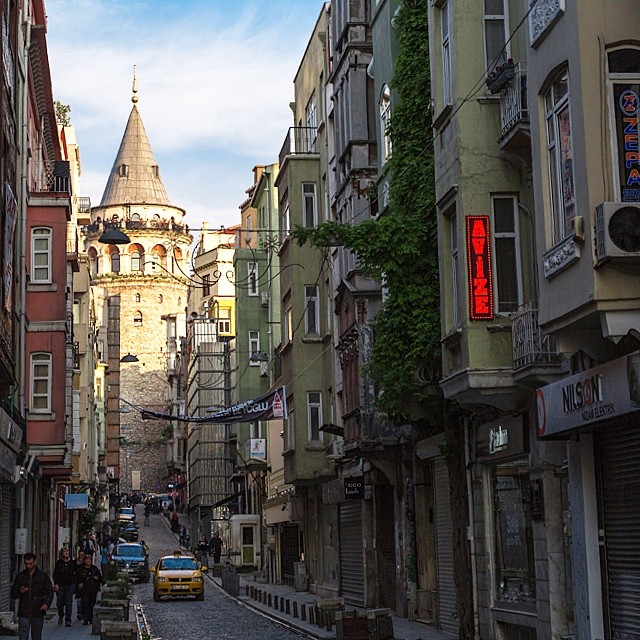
[178, 563]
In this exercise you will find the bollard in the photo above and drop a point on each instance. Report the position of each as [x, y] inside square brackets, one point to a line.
[275, 602]
[318, 615]
[246, 589]
[282, 604]
[269, 600]
[303, 612]
[295, 608]
[312, 614]
[327, 618]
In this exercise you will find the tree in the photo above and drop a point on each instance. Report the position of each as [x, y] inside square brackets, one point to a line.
[62, 113]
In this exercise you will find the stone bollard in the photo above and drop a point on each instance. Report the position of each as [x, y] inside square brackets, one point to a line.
[275, 602]
[303, 612]
[281, 604]
[312, 614]
[246, 589]
[269, 600]
[295, 608]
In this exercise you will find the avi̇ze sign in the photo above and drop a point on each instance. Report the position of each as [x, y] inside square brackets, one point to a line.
[479, 264]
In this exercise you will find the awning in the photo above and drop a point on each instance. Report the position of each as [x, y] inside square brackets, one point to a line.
[225, 500]
[333, 429]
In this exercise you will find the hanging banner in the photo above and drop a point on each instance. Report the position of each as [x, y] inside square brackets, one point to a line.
[270, 406]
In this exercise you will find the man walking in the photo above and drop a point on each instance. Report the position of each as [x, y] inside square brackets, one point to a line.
[64, 584]
[34, 592]
[89, 585]
[215, 547]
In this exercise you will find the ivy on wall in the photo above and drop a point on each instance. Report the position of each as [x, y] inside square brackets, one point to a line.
[400, 247]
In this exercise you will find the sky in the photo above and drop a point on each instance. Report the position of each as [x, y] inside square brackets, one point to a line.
[215, 79]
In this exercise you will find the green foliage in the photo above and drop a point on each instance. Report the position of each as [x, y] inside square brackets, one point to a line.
[90, 518]
[400, 248]
[62, 113]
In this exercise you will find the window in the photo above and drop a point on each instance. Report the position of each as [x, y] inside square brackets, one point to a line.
[100, 349]
[160, 298]
[137, 319]
[93, 261]
[290, 432]
[495, 33]
[309, 205]
[124, 171]
[224, 321]
[136, 263]
[288, 323]
[507, 254]
[41, 382]
[455, 265]
[314, 414]
[560, 157]
[115, 262]
[446, 54]
[206, 284]
[137, 297]
[41, 255]
[254, 346]
[385, 121]
[252, 279]
[284, 221]
[135, 217]
[311, 119]
[515, 575]
[311, 311]
[624, 73]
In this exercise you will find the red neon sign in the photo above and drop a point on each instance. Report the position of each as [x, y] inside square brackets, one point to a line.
[479, 265]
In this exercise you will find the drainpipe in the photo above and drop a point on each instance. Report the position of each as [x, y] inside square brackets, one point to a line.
[22, 197]
[471, 534]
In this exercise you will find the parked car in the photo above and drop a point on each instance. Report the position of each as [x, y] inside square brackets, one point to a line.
[128, 531]
[126, 513]
[178, 575]
[132, 560]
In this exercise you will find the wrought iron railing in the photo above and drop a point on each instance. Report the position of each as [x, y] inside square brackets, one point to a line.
[299, 140]
[84, 204]
[530, 345]
[513, 101]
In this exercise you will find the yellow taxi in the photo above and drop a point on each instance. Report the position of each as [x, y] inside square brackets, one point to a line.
[178, 575]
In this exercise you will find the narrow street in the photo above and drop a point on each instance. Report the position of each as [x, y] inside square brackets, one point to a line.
[218, 616]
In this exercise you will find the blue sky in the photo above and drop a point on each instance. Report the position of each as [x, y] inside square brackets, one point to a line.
[215, 80]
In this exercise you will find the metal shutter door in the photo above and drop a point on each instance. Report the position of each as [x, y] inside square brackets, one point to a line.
[448, 615]
[620, 466]
[6, 541]
[352, 553]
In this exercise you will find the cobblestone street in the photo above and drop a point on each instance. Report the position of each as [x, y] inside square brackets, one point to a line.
[218, 616]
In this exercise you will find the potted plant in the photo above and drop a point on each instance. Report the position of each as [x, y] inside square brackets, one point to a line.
[501, 76]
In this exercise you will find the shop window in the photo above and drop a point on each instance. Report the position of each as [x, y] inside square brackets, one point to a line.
[514, 571]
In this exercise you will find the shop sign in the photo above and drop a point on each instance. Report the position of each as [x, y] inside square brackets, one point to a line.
[501, 439]
[354, 488]
[479, 265]
[10, 432]
[628, 104]
[601, 393]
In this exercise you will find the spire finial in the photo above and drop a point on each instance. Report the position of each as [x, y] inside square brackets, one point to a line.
[134, 97]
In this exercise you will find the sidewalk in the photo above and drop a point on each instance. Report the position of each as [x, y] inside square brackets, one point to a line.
[403, 629]
[286, 596]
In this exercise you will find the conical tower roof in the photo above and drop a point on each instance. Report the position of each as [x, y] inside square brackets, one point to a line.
[135, 175]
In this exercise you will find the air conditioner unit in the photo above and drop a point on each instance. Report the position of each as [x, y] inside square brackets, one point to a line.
[336, 449]
[617, 232]
[264, 299]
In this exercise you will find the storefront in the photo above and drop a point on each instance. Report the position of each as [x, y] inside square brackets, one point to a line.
[599, 411]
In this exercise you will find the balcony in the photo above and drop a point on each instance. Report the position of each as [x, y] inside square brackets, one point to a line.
[54, 179]
[299, 141]
[367, 431]
[514, 114]
[534, 355]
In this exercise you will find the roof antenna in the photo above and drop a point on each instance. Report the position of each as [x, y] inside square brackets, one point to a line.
[134, 88]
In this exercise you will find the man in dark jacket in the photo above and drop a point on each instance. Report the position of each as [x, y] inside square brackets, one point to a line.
[64, 584]
[34, 591]
[89, 585]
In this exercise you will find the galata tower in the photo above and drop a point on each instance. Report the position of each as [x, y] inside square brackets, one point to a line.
[149, 277]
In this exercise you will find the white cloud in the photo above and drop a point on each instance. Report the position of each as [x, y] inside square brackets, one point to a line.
[212, 81]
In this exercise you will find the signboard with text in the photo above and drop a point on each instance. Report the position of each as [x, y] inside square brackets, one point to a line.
[354, 488]
[479, 266]
[601, 393]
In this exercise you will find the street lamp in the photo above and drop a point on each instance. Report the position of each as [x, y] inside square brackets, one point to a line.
[259, 356]
[113, 235]
[129, 358]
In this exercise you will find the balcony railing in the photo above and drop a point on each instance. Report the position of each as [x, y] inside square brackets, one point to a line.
[54, 179]
[299, 140]
[84, 204]
[513, 101]
[96, 228]
[530, 345]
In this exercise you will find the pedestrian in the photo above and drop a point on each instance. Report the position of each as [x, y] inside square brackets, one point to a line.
[64, 584]
[147, 513]
[89, 544]
[89, 585]
[105, 562]
[215, 547]
[183, 535]
[175, 523]
[203, 550]
[79, 568]
[33, 589]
